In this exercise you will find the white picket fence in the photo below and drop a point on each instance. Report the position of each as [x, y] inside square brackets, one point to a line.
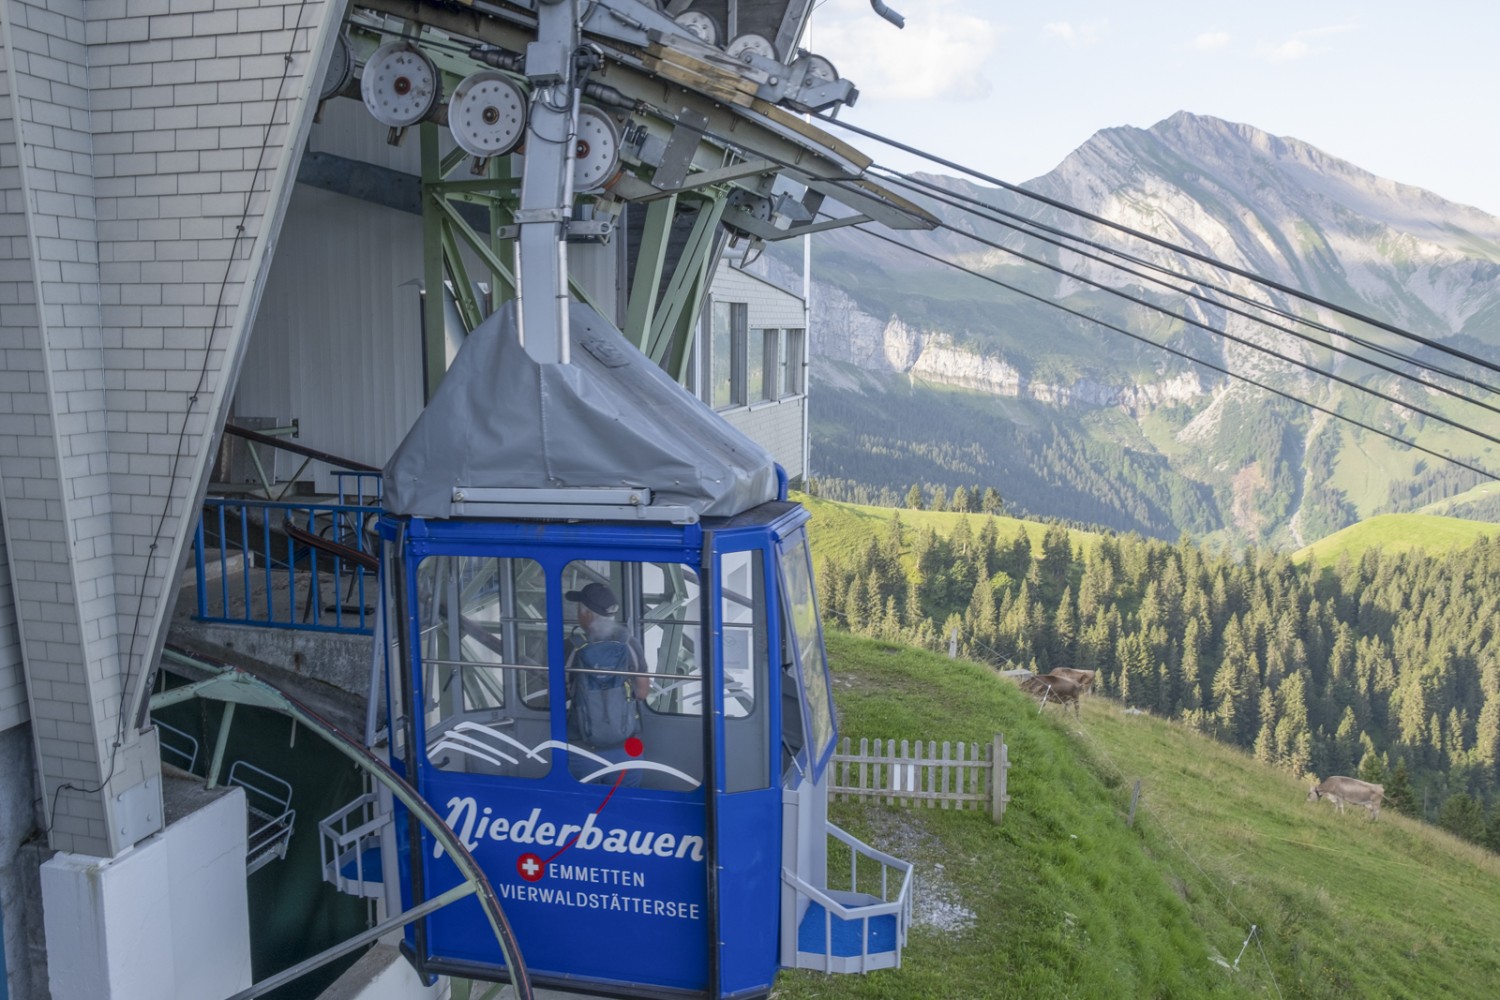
[947, 776]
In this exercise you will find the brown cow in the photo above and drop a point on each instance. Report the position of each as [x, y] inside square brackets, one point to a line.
[1083, 678]
[1340, 790]
[1053, 687]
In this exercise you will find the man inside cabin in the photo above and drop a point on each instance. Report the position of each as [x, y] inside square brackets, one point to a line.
[606, 684]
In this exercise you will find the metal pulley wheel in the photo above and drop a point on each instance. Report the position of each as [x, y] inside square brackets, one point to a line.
[487, 114]
[596, 153]
[818, 70]
[699, 25]
[340, 70]
[400, 85]
[751, 45]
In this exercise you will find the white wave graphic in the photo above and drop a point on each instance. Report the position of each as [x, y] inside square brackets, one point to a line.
[458, 740]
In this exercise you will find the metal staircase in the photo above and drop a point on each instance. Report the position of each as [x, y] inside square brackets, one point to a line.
[858, 929]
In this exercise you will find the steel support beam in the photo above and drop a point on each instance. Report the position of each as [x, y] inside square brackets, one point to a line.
[650, 260]
[434, 323]
[672, 330]
[547, 184]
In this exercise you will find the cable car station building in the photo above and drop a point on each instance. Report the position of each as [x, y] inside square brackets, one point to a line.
[359, 368]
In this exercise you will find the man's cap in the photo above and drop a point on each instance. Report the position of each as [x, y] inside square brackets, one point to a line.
[597, 597]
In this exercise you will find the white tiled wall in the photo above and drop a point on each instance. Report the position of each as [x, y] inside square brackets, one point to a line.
[134, 138]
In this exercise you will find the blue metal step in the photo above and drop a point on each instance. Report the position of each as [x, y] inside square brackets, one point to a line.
[810, 935]
[368, 863]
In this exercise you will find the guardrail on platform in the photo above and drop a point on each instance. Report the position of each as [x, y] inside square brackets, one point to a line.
[280, 564]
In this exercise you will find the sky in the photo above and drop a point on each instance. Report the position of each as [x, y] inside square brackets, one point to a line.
[1409, 91]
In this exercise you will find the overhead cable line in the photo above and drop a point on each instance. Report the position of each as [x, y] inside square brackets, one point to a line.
[1165, 244]
[842, 180]
[1039, 231]
[1183, 354]
[1120, 293]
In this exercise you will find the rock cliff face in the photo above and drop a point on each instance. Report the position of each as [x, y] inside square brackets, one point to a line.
[847, 334]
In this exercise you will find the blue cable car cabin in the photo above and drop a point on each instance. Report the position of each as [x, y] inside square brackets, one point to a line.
[604, 668]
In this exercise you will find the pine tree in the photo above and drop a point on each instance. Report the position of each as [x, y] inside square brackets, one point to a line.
[1265, 741]
[890, 623]
[939, 498]
[1345, 744]
[1492, 831]
[1372, 768]
[1462, 817]
[1487, 742]
[980, 619]
[1413, 718]
[1137, 675]
[1195, 678]
[856, 598]
[1064, 630]
[914, 499]
[991, 503]
[962, 499]
[1398, 790]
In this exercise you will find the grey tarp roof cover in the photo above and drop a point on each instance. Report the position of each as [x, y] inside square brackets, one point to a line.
[609, 418]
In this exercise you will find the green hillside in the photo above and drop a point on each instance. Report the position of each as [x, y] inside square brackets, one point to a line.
[841, 530]
[1065, 900]
[1396, 533]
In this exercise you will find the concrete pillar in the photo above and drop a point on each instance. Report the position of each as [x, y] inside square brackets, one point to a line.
[147, 149]
[168, 920]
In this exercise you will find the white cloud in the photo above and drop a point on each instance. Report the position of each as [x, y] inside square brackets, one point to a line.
[938, 55]
[1303, 43]
[1292, 48]
[1211, 41]
[1077, 35]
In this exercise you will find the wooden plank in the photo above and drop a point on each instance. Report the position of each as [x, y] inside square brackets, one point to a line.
[864, 767]
[947, 770]
[924, 797]
[997, 794]
[906, 754]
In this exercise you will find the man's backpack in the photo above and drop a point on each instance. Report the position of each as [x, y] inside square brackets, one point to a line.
[604, 714]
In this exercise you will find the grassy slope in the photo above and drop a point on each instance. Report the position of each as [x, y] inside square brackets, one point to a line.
[1068, 901]
[1396, 533]
[842, 530]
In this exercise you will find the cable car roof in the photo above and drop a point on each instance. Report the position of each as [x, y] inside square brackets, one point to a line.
[610, 434]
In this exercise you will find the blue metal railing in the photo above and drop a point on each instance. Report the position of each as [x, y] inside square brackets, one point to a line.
[258, 560]
[354, 486]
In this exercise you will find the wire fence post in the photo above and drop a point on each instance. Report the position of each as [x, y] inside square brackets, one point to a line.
[1243, 947]
[1135, 796]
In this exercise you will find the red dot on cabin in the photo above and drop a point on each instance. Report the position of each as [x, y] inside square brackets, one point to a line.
[634, 746]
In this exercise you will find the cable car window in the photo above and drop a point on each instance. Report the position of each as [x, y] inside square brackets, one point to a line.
[746, 732]
[632, 644]
[802, 611]
[484, 653]
[744, 638]
[393, 636]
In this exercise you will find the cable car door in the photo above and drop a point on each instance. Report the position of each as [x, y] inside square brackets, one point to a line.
[747, 799]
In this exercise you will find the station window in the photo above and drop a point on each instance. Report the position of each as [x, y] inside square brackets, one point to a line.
[790, 367]
[483, 648]
[767, 383]
[728, 373]
[633, 648]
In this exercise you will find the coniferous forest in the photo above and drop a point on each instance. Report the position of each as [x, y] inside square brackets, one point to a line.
[1382, 667]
